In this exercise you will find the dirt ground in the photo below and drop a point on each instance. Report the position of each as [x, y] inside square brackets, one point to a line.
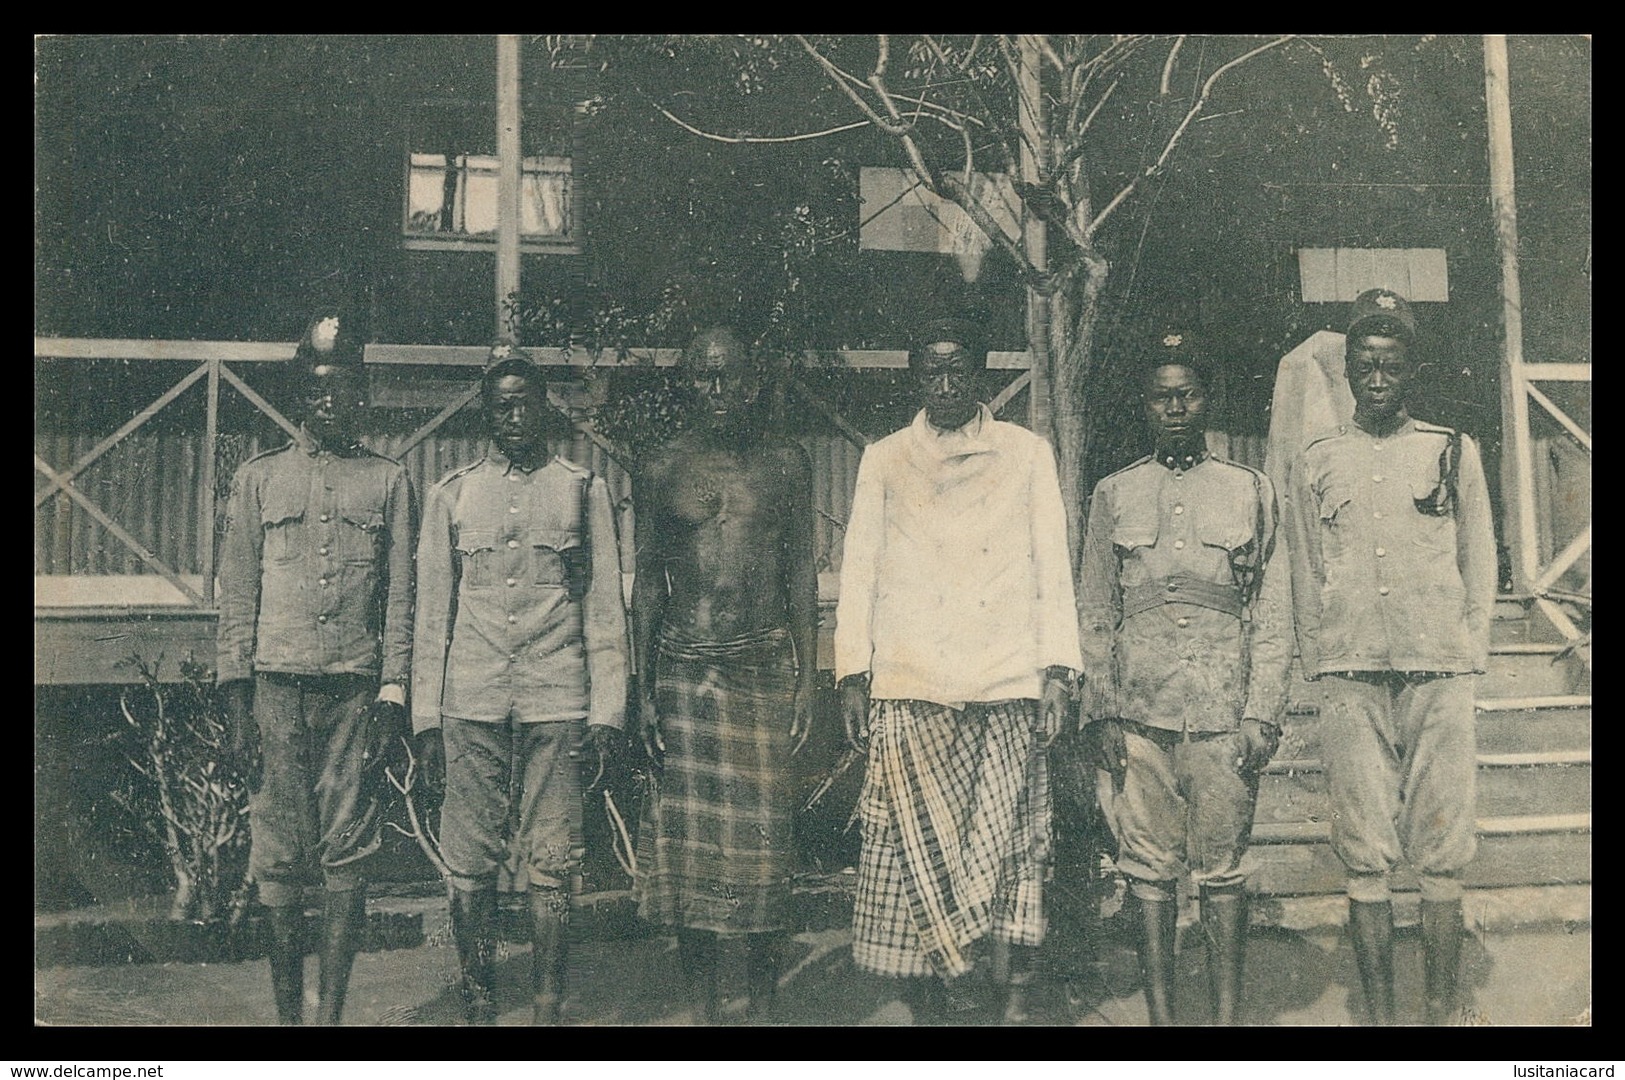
[1525, 977]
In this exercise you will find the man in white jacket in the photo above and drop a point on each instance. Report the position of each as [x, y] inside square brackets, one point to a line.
[956, 650]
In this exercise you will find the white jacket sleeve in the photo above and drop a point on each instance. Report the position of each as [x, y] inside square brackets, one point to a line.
[1055, 605]
[860, 558]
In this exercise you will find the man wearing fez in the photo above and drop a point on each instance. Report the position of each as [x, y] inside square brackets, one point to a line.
[315, 638]
[521, 642]
[725, 612]
[1186, 645]
[956, 650]
[1393, 559]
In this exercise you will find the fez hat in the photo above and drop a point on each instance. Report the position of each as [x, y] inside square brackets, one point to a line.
[1174, 345]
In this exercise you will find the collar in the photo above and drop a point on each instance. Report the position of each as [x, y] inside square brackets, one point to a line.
[507, 464]
[306, 442]
[1181, 461]
[1405, 428]
[976, 437]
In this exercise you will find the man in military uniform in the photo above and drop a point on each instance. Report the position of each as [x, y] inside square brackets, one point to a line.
[725, 607]
[1186, 647]
[315, 638]
[1394, 581]
[521, 637]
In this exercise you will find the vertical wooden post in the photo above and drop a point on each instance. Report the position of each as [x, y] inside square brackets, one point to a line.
[1517, 457]
[508, 176]
[206, 483]
[1031, 111]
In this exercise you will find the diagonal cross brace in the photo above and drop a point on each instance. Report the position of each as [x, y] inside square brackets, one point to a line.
[67, 475]
[118, 531]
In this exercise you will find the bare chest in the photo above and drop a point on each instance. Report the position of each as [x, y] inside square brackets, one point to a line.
[723, 491]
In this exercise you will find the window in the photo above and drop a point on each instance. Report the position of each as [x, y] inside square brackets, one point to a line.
[451, 181]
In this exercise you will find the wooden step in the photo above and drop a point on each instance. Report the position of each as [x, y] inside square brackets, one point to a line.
[1307, 866]
[1521, 731]
[1557, 724]
[1532, 674]
[1509, 785]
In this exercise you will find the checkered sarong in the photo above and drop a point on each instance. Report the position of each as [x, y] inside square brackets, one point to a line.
[955, 811]
[715, 843]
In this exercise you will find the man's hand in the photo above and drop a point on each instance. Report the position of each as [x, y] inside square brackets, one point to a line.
[1052, 706]
[649, 722]
[855, 710]
[605, 741]
[1259, 741]
[385, 724]
[1111, 749]
[801, 718]
[242, 733]
[429, 747]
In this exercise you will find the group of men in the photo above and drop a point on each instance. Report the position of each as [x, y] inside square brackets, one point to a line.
[965, 638]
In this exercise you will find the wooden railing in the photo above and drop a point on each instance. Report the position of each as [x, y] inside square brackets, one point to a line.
[214, 365]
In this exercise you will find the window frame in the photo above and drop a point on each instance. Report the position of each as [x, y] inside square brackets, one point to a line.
[570, 244]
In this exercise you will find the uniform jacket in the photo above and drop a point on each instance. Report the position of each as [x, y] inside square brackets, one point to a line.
[1394, 567]
[955, 580]
[1186, 597]
[520, 609]
[316, 566]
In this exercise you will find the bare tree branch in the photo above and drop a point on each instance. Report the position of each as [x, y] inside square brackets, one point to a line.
[904, 130]
[1048, 50]
[1090, 119]
[836, 76]
[1173, 140]
[1168, 65]
[691, 129]
[992, 117]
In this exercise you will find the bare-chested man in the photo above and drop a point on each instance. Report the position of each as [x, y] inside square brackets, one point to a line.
[724, 613]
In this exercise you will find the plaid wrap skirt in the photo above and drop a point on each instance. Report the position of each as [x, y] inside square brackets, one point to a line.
[715, 844]
[955, 812]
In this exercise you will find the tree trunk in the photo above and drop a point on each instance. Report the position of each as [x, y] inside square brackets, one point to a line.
[1073, 313]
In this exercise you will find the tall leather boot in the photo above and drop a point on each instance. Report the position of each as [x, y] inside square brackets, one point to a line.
[697, 953]
[549, 953]
[1159, 922]
[1224, 924]
[1441, 953]
[473, 926]
[342, 913]
[1371, 925]
[762, 974]
[287, 953]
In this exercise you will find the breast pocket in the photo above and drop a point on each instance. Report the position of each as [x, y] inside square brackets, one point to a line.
[361, 531]
[559, 559]
[1135, 527]
[476, 557]
[1335, 506]
[1231, 530]
[1433, 526]
[282, 517]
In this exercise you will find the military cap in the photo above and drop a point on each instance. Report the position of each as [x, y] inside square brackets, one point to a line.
[331, 337]
[1377, 310]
